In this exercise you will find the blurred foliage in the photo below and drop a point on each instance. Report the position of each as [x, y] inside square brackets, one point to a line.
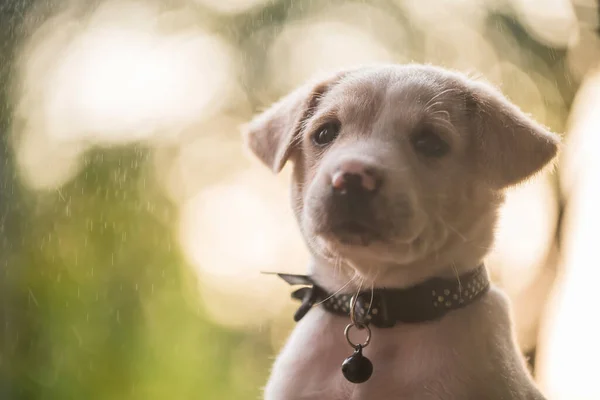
[95, 302]
[106, 310]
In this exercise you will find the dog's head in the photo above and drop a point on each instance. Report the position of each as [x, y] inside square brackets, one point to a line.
[399, 164]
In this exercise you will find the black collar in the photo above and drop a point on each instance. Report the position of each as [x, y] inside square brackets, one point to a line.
[426, 301]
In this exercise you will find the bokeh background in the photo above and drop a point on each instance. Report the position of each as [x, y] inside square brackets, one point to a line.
[133, 225]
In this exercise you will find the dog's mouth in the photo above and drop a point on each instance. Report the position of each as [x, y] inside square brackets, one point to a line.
[352, 227]
[353, 232]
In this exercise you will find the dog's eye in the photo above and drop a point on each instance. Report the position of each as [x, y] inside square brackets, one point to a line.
[326, 134]
[429, 144]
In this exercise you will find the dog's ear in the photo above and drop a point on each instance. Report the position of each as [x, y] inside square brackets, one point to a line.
[509, 146]
[274, 134]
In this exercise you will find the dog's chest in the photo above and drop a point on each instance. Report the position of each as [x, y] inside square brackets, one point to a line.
[309, 367]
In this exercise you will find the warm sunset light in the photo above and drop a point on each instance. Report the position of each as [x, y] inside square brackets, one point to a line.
[136, 226]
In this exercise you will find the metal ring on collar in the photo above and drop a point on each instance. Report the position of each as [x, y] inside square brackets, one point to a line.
[360, 327]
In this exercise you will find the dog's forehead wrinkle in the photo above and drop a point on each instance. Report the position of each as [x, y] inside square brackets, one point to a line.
[355, 102]
[405, 96]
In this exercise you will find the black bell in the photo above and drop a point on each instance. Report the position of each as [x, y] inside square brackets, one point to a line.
[357, 368]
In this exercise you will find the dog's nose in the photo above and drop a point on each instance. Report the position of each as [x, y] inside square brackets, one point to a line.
[355, 177]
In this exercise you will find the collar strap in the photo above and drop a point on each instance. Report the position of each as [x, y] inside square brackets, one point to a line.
[385, 308]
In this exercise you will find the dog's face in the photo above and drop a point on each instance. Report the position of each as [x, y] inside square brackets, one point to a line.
[396, 164]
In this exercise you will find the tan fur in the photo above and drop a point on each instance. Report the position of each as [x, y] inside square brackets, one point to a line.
[434, 217]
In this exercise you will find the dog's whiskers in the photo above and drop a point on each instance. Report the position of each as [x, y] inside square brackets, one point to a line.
[431, 101]
[337, 291]
[457, 278]
[460, 235]
[443, 112]
[360, 284]
[338, 266]
[372, 290]
[443, 122]
[431, 105]
[451, 228]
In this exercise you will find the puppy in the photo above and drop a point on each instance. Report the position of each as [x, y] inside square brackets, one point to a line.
[420, 156]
